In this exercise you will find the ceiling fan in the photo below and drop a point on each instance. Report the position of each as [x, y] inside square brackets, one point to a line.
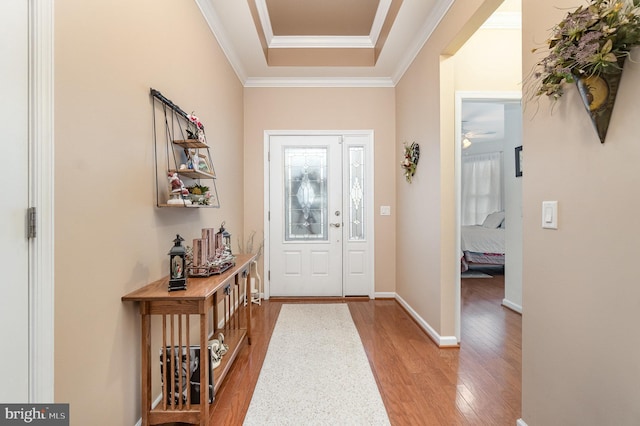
[468, 136]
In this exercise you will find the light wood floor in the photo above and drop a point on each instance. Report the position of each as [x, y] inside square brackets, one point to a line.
[420, 384]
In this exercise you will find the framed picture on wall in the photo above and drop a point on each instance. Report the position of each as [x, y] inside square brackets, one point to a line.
[519, 161]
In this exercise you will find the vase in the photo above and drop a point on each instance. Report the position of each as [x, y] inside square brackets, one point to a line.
[598, 93]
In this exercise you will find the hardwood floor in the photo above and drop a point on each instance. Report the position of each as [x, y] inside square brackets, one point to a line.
[420, 384]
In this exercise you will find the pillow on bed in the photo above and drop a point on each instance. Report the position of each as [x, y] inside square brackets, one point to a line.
[494, 220]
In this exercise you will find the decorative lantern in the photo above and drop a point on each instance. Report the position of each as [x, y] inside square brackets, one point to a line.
[223, 239]
[226, 236]
[177, 265]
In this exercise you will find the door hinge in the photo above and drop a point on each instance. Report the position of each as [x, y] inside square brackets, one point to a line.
[268, 155]
[269, 215]
[31, 217]
[269, 275]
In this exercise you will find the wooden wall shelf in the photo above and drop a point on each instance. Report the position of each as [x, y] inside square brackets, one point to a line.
[191, 143]
[173, 150]
[193, 174]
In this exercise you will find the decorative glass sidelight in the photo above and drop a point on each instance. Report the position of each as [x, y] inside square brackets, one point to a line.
[305, 187]
[356, 193]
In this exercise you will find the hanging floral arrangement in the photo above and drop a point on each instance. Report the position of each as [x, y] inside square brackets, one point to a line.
[410, 161]
[589, 47]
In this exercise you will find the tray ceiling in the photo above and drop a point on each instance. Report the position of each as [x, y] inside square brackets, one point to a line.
[322, 43]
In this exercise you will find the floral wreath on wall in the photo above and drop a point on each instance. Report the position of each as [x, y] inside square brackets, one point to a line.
[410, 161]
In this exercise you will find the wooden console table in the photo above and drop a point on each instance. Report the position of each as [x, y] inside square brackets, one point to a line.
[202, 297]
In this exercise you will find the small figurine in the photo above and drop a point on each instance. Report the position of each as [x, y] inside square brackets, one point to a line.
[175, 182]
[178, 191]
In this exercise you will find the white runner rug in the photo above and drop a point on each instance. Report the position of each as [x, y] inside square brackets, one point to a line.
[316, 372]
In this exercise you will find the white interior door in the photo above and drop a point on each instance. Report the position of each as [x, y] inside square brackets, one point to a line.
[14, 285]
[305, 215]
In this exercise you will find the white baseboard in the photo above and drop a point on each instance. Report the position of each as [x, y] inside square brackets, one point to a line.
[441, 341]
[153, 405]
[384, 295]
[520, 422]
[513, 306]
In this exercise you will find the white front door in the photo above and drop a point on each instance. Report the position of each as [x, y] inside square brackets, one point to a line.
[306, 215]
[320, 214]
[14, 285]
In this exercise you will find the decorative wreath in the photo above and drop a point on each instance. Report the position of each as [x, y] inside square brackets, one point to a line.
[410, 161]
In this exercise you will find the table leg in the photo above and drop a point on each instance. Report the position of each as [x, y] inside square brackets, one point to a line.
[146, 367]
[247, 293]
[204, 370]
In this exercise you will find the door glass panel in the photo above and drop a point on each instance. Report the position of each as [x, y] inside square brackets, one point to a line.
[356, 193]
[305, 187]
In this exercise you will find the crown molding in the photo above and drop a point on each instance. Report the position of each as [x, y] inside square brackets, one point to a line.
[319, 82]
[216, 27]
[324, 42]
[301, 42]
[422, 36]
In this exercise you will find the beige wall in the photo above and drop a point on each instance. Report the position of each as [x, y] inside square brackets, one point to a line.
[426, 208]
[490, 61]
[326, 109]
[110, 237]
[580, 328]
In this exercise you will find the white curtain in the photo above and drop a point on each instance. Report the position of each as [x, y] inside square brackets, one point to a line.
[481, 187]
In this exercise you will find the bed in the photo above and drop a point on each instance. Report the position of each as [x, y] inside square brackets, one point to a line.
[483, 245]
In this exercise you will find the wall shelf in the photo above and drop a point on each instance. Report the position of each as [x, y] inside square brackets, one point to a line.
[177, 152]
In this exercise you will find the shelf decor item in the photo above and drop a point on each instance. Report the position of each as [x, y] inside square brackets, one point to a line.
[410, 160]
[177, 265]
[195, 130]
[199, 194]
[589, 47]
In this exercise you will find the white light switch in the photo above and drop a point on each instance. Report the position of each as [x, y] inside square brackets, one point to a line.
[550, 214]
[385, 210]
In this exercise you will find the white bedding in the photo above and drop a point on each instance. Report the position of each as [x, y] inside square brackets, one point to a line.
[482, 240]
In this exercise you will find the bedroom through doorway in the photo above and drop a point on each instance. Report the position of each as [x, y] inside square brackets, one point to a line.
[489, 128]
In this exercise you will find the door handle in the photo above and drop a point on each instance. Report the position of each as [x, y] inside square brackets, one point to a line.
[335, 225]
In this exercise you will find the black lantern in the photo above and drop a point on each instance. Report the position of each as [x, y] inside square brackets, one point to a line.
[226, 236]
[223, 239]
[177, 266]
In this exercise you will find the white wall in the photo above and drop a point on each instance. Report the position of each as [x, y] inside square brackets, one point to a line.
[513, 209]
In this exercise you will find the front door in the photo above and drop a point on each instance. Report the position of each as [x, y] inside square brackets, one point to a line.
[321, 233]
[306, 215]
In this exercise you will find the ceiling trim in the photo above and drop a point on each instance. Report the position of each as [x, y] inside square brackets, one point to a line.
[216, 27]
[319, 82]
[296, 42]
[317, 42]
[379, 19]
[423, 35]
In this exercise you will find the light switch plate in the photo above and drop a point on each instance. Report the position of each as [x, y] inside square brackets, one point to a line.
[550, 214]
[385, 210]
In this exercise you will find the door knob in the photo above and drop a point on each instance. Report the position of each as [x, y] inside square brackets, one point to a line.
[335, 225]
